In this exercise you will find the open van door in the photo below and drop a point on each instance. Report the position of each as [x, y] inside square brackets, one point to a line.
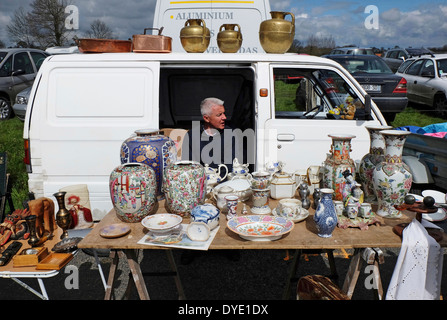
[172, 16]
[80, 112]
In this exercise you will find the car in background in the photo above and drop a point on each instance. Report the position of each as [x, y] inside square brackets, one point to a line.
[352, 50]
[427, 81]
[386, 89]
[18, 69]
[21, 102]
[394, 57]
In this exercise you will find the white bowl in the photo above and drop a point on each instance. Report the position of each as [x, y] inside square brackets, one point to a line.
[161, 223]
[242, 188]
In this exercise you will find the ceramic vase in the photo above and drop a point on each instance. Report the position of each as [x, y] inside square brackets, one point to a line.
[325, 215]
[337, 161]
[133, 189]
[370, 160]
[184, 186]
[260, 200]
[151, 148]
[392, 178]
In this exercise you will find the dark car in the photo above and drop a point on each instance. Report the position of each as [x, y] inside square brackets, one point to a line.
[18, 69]
[395, 57]
[387, 90]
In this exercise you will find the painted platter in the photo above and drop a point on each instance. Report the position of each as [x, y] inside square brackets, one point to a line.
[260, 228]
[162, 222]
[115, 230]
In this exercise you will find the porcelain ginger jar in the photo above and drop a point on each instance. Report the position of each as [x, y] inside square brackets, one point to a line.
[184, 186]
[283, 185]
[151, 148]
[133, 189]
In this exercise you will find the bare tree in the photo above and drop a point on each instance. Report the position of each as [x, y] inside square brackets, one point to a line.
[99, 30]
[47, 20]
[20, 28]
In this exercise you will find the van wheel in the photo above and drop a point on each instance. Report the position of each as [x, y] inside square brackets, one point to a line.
[5, 109]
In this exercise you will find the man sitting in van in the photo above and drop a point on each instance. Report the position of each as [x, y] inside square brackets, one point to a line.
[211, 141]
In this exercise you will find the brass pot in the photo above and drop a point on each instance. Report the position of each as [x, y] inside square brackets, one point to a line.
[276, 35]
[229, 40]
[195, 36]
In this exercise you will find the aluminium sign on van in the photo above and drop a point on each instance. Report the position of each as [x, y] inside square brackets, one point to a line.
[172, 16]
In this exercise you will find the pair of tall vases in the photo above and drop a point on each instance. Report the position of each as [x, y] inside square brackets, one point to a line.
[385, 178]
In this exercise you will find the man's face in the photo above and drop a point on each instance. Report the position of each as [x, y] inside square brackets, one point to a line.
[216, 118]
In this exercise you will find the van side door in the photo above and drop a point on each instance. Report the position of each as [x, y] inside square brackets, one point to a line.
[306, 104]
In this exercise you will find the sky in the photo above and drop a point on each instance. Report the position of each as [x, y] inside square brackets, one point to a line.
[372, 23]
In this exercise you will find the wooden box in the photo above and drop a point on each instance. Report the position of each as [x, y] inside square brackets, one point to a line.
[24, 259]
[55, 261]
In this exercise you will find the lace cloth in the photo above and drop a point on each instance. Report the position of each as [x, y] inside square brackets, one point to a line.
[418, 271]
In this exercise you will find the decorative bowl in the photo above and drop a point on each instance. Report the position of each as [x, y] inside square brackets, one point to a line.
[162, 223]
[260, 228]
[206, 213]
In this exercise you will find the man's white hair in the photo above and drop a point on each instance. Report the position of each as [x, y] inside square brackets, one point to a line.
[208, 103]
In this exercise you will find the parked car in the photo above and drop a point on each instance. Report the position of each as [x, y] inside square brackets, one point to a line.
[352, 50]
[427, 81]
[394, 57]
[19, 106]
[388, 90]
[18, 69]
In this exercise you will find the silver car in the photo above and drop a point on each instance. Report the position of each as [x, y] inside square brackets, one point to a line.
[427, 81]
[18, 69]
[21, 102]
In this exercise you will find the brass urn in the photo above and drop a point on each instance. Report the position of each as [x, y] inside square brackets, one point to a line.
[229, 40]
[63, 216]
[195, 36]
[276, 35]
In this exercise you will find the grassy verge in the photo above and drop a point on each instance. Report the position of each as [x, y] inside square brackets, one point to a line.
[11, 142]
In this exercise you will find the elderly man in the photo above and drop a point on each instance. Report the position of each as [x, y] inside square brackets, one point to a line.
[212, 142]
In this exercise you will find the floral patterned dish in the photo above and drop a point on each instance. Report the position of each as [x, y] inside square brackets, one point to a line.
[260, 228]
[162, 222]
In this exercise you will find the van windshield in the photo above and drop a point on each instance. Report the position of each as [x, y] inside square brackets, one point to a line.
[315, 93]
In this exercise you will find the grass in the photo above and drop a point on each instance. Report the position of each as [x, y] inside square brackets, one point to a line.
[11, 141]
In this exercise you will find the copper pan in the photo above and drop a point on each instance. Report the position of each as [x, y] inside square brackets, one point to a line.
[146, 43]
[103, 45]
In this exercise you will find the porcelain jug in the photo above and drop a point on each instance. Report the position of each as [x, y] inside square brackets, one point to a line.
[214, 176]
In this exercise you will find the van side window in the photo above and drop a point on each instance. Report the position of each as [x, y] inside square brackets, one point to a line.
[314, 94]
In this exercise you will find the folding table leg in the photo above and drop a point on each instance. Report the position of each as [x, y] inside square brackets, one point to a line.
[137, 275]
[353, 273]
[178, 283]
[292, 272]
[112, 271]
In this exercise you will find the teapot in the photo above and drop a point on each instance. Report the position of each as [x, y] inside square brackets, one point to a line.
[214, 176]
[219, 196]
[238, 168]
[283, 185]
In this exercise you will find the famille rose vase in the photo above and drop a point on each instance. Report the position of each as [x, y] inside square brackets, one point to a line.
[392, 178]
[325, 215]
[151, 148]
[370, 160]
[337, 161]
[184, 186]
[133, 189]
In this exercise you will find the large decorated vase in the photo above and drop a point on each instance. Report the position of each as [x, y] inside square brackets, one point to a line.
[184, 186]
[133, 189]
[338, 161]
[392, 178]
[151, 148]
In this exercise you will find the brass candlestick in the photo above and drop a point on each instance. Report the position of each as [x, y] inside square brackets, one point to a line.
[63, 216]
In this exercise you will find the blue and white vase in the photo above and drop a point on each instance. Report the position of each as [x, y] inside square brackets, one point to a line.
[151, 148]
[325, 215]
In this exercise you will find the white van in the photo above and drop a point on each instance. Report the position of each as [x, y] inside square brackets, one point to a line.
[83, 106]
[172, 15]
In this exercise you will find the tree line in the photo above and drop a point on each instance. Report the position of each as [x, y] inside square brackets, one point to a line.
[44, 26]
